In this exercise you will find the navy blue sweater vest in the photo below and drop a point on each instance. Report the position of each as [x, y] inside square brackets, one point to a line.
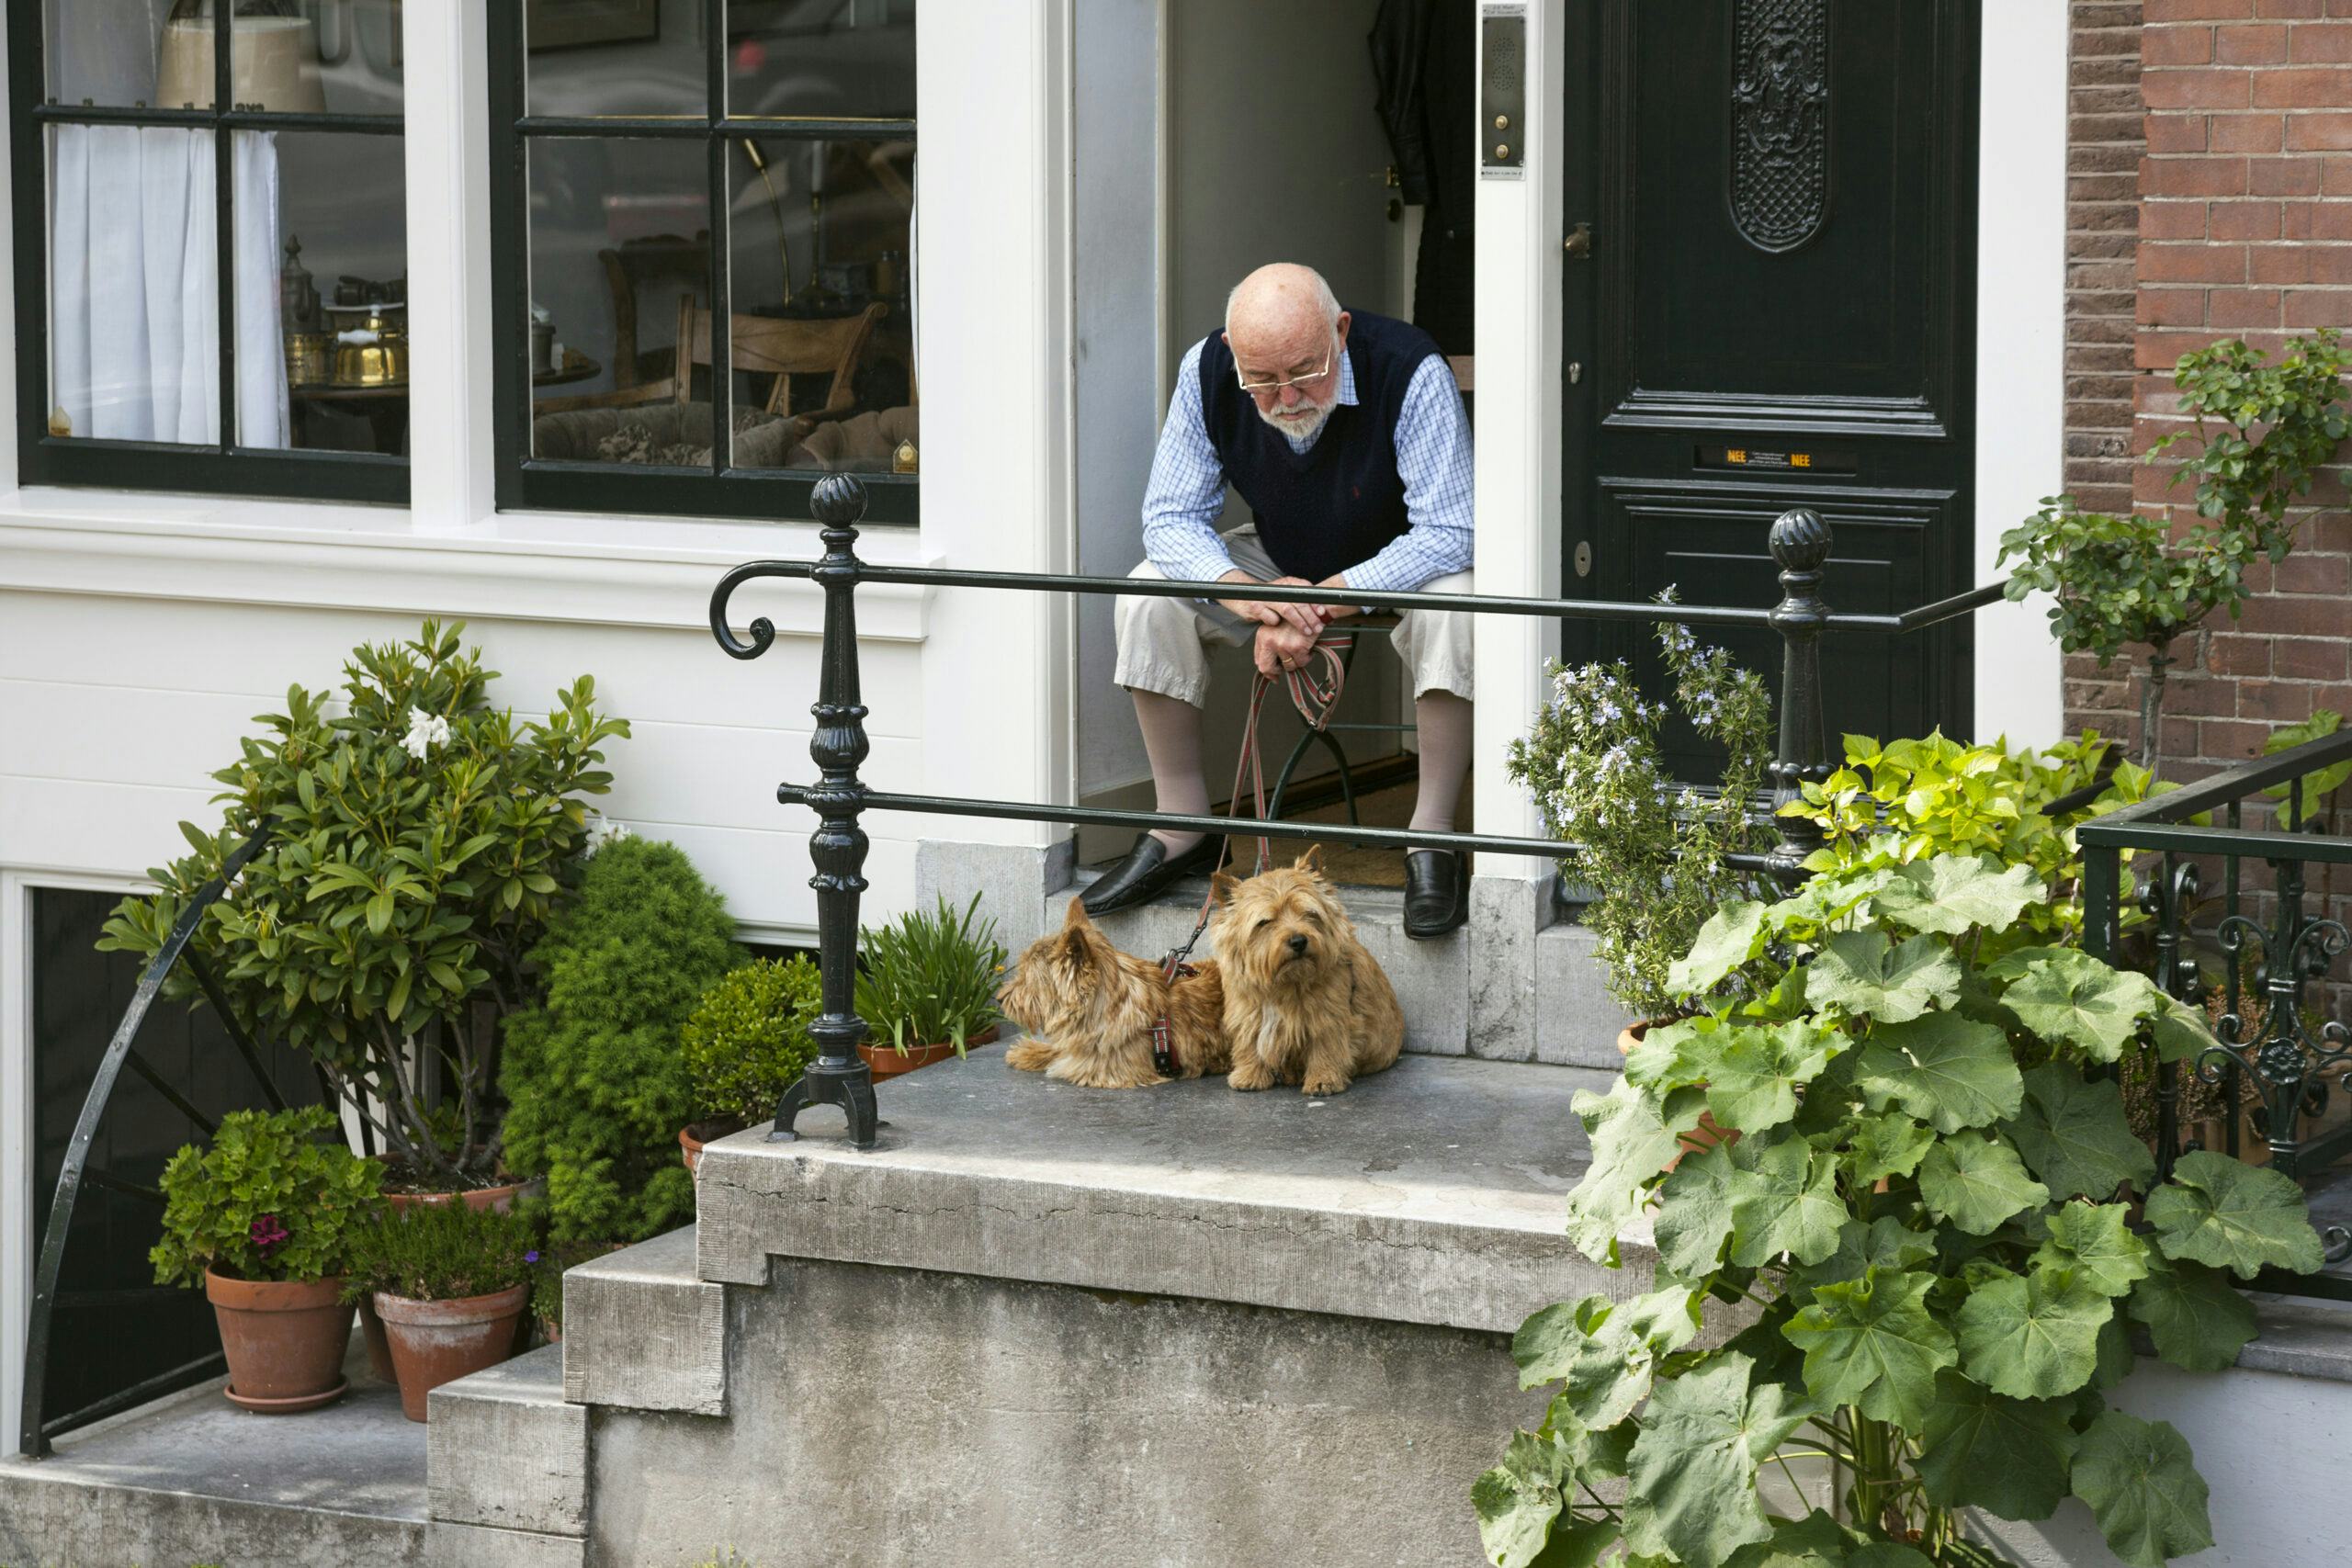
[1339, 502]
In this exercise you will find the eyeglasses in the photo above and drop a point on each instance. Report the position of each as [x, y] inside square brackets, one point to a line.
[1274, 385]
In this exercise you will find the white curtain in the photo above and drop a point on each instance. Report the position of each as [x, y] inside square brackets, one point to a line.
[134, 328]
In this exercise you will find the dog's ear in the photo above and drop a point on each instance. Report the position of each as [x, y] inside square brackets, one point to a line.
[1075, 915]
[1311, 862]
[1223, 887]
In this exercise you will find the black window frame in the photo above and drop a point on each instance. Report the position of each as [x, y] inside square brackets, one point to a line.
[223, 467]
[540, 484]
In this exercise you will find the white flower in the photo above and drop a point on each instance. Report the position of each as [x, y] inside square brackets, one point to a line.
[602, 830]
[425, 731]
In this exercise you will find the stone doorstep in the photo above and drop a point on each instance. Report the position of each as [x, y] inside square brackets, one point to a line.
[640, 1331]
[1431, 1193]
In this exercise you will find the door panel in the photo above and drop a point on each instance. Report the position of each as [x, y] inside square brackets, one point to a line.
[1777, 310]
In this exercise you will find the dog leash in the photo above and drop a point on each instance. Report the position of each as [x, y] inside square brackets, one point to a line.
[1317, 698]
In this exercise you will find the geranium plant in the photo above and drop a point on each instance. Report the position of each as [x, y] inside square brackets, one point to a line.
[420, 839]
[275, 1196]
[1654, 852]
[1927, 1222]
[2262, 433]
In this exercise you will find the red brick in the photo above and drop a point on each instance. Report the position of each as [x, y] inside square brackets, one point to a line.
[2302, 263]
[2159, 133]
[2172, 221]
[2178, 737]
[2306, 572]
[2299, 615]
[2307, 657]
[2231, 655]
[2232, 740]
[2211, 87]
[2318, 43]
[2257, 44]
[2336, 177]
[2244, 221]
[2236, 309]
[2319, 308]
[2285, 701]
[2318, 221]
[2303, 87]
[2194, 177]
[2172, 46]
[2158, 11]
[2288, 8]
[2330, 132]
[2195, 264]
[2281, 176]
[2172, 306]
[2244, 133]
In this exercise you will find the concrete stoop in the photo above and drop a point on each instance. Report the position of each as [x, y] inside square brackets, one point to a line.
[1056, 1327]
[1507, 987]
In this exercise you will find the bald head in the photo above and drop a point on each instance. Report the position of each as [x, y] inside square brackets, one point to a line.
[1284, 326]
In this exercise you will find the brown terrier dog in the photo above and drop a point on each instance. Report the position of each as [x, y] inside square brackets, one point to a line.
[1304, 1002]
[1090, 1011]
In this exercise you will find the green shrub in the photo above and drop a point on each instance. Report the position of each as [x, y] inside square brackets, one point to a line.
[595, 1076]
[929, 979]
[267, 1200]
[443, 1252]
[424, 838]
[749, 1038]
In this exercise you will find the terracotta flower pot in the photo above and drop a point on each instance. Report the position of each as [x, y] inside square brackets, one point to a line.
[433, 1342]
[379, 1350]
[499, 1197]
[886, 1063]
[284, 1340]
[1699, 1139]
[695, 1134]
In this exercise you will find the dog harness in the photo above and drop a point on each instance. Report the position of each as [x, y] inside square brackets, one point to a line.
[1163, 1042]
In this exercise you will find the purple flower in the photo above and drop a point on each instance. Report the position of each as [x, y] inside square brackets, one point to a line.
[532, 1255]
[266, 1233]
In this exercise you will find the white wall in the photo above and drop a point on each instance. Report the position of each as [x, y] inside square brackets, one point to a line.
[2020, 348]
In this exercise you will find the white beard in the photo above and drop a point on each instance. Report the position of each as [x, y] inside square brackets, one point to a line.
[1308, 423]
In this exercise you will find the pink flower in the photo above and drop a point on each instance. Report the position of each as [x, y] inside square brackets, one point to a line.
[266, 1232]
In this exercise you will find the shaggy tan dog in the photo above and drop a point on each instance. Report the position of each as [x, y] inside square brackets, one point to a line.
[1090, 1009]
[1304, 1002]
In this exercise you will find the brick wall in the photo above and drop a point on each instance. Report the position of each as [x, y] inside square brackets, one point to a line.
[2226, 211]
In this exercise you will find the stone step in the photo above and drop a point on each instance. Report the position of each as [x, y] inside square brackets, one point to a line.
[1431, 1193]
[508, 1466]
[642, 1331]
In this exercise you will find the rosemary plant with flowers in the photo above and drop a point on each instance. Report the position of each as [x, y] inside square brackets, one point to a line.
[1656, 853]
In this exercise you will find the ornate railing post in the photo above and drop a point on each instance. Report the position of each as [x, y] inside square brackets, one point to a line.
[1799, 542]
[838, 1075]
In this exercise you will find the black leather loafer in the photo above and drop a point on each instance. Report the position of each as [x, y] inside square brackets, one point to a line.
[1437, 892]
[1147, 872]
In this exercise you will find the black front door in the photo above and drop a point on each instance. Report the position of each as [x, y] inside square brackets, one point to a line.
[1774, 306]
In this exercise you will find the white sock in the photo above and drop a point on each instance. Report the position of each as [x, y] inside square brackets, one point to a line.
[1442, 724]
[1171, 739]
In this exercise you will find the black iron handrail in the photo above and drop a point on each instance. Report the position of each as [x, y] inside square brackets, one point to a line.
[1800, 544]
[2272, 959]
[37, 1428]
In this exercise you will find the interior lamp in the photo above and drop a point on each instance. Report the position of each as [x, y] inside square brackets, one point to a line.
[273, 59]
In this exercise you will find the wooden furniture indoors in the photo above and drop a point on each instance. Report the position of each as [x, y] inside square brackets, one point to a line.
[761, 346]
[632, 267]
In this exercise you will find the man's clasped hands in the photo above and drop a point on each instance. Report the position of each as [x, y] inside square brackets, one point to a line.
[1286, 632]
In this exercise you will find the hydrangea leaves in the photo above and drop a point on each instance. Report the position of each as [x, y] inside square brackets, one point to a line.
[1925, 1180]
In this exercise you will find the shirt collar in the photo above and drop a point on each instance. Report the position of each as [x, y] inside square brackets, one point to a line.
[1347, 379]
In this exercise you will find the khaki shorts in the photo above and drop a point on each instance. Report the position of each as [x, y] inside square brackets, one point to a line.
[1162, 642]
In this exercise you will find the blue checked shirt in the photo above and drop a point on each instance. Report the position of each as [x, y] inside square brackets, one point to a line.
[1186, 495]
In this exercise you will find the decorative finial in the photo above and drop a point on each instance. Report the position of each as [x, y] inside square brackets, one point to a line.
[839, 500]
[1800, 540]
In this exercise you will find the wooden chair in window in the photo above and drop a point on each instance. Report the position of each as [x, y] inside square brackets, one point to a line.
[761, 346]
[634, 265]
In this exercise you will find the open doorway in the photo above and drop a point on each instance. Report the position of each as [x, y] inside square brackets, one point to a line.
[1212, 137]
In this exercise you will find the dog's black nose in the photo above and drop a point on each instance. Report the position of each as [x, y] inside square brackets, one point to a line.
[1298, 945]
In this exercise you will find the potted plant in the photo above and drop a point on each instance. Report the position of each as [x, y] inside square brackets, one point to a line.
[1928, 1224]
[596, 1078]
[1655, 853]
[450, 1283]
[745, 1044]
[927, 986]
[263, 1219]
[420, 839]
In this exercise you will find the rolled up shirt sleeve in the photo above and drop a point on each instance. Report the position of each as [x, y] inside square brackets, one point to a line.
[1186, 493]
[1433, 457]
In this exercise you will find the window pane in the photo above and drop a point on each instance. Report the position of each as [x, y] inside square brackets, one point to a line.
[342, 57]
[615, 57]
[823, 337]
[619, 251]
[822, 59]
[351, 48]
[110, 51]
[338, 316]
[134, 335]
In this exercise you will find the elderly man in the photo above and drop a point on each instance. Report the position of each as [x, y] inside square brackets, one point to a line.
[1343, 433]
